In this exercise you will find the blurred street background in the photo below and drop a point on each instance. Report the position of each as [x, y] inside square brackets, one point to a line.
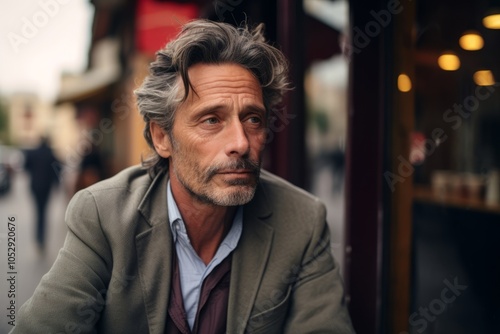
[393, 124]
[32, 263]
[40, 41]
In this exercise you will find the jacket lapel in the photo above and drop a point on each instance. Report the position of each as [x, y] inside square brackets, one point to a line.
[154, 250]
[249, 261]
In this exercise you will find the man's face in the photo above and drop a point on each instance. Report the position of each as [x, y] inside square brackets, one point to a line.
[218, 136]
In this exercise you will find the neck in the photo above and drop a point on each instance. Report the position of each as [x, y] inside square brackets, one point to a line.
[206, 224]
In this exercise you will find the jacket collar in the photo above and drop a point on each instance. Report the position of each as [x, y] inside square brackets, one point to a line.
[153, 205]
[249, 260]
[154, 251]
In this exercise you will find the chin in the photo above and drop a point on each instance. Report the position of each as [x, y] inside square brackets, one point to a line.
[239, 196]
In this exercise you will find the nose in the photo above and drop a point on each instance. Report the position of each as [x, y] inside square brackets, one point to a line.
[237, 140]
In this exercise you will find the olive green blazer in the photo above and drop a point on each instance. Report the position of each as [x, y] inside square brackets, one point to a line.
[113, 273]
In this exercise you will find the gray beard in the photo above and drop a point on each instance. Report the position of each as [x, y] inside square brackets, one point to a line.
[233, 199]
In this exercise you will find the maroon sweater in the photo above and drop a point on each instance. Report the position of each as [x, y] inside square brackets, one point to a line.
[211, 315]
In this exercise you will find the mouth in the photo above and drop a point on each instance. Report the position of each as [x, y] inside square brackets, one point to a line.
[238, 177]
[236, 172]
[239, 172]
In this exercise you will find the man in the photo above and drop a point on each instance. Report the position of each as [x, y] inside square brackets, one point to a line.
[201, 242]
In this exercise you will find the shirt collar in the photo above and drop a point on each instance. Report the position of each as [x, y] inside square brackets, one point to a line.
[174, 216]
[179, 229]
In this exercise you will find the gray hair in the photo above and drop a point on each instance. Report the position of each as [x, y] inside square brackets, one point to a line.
[203, 41]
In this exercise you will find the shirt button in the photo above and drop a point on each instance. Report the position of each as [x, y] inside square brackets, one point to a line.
[177, 226]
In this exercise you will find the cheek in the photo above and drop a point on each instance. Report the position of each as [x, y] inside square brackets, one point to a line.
[201, 153]
[187, 143]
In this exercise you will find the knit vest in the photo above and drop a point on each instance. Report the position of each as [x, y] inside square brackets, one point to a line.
[211, 316]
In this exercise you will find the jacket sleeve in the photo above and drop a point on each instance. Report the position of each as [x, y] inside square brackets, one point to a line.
[317, 299]
[69, 298]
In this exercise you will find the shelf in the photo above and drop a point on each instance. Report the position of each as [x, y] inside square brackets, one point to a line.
[424, 194]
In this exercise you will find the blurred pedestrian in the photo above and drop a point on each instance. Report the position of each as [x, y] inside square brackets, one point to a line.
[39, 164]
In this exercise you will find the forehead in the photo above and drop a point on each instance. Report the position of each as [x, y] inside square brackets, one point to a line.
[210, 80]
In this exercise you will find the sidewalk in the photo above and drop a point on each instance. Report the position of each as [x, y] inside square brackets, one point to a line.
[31, 265]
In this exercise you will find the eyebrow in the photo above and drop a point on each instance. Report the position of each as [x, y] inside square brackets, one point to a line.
[255, 108]
[214, 107]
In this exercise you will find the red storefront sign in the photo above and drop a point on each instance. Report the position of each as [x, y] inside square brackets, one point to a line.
[159, 22]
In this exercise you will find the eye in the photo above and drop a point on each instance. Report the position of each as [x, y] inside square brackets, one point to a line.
[254, 120]
[211, 120]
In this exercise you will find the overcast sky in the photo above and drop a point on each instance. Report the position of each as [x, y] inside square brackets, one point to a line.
[39, 39]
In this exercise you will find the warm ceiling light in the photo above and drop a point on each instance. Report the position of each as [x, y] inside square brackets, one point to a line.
[492, 21]
[484, 78]
[471, 40]
[404, 83]
[449, 62]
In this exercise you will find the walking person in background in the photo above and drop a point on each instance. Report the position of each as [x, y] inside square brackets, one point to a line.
[39, 165]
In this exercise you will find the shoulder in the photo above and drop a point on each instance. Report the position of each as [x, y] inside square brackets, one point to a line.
[130, 179]
[124, 186]
[282, 193]
[112, 200]
[292, 208]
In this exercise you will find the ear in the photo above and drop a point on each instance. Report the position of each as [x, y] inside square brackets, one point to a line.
[161, 140]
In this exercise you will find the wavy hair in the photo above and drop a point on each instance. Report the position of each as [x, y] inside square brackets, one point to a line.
[203, 41]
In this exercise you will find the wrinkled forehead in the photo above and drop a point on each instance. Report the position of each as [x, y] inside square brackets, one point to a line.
[206, 79]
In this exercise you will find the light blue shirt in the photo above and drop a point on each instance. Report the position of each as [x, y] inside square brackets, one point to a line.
[192, 269]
